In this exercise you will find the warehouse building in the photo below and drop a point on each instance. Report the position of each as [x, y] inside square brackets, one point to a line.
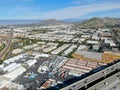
[14, 86]
[15, 73]
[60, 49]
[11, 67]
[78, 67]
[13, 59]
[17, 51]
[69, 50]
[4, 81]
[92, 42]
[31, 62]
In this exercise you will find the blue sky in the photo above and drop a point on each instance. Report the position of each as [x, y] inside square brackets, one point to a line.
[58, 9]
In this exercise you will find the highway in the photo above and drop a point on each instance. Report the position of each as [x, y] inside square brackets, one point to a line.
[8, 45]
[108, 84]
[116, 87]
[84, 82]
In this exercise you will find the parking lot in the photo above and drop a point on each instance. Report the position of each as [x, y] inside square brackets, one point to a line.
[31, 79]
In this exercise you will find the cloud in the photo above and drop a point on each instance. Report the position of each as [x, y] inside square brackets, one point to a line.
[81, 10]
[75, 11]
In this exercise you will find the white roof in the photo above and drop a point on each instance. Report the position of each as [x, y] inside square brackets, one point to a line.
[13, 59]
[14, 74]
[45, 68]
[11, 67]
[61, 48]
[49, 48]
[82, 39]
[1, 66]
[41, 42]
[3, 81]
[52, 43]
[85, 36]
[16, 86]
[110, 42]
[70, 49]
[92, 42]
[16, 51]
[31, 62]
[82, 47]
[41, 55]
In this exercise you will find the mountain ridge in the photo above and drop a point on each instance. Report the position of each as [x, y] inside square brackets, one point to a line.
[51, 22]
[97, 22]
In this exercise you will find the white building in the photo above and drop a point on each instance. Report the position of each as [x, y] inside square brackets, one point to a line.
[48, 49]
[31, 62]
[60, 49]
[17, 51]
[43, 69]
[3, 81]
[69, 50]
[92, 42]
[82, 47]
[15, 73]
[110, 41]
[14, 86]
[11, 67]
[13, 59]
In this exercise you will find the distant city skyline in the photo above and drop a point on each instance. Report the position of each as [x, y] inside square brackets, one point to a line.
[58, 9]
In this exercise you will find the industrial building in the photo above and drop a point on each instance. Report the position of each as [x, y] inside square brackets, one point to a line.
[78, 67]
[15, 73]
[105, 57]
[60, 49]
[69, 50]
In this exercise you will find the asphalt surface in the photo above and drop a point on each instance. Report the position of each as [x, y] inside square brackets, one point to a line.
[108, 83]
[40, 78]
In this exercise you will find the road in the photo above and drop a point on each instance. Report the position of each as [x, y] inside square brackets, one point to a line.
[108, 84]
[84, 82]
[8, 45]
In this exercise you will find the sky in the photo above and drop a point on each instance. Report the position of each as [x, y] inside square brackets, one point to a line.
[58, 9]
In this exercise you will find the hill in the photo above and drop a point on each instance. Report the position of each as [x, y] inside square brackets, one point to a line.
[51, 22]
[73, 20]
[99, 23]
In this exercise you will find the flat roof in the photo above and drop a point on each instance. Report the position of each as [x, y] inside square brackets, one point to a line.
[89, 54]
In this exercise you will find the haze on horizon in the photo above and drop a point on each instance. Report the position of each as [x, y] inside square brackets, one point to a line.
[58, 9]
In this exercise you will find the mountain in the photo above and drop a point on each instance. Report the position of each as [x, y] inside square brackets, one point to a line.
[72, 20]
[50, 22]
[99, 23]
[16, 22]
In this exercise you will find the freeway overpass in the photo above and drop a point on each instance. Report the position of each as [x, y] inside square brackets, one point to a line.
[108, 83]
